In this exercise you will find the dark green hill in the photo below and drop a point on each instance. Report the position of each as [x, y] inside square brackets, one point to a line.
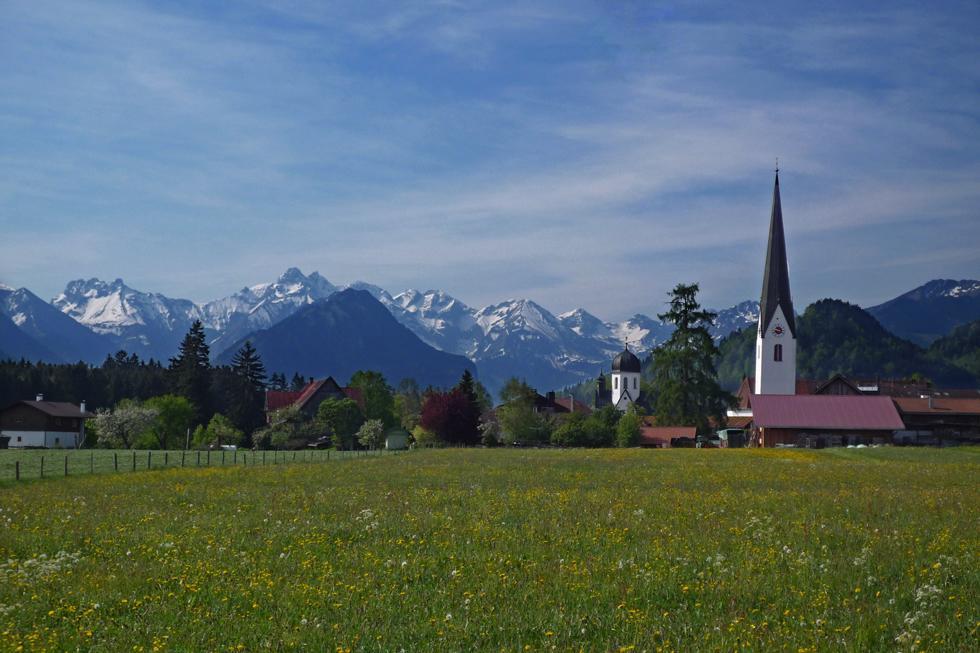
[835, 336]
[961, 347]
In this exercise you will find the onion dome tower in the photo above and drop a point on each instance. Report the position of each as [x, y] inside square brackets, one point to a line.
[625, 379]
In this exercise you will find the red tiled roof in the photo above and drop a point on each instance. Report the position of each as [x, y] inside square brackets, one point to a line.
[579, 406]
[308, 392]
[865, 413]
[276, 399]
[937, 405]
[739, 422]
[664, 434]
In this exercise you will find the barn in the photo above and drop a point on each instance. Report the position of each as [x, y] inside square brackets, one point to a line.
[43, 424]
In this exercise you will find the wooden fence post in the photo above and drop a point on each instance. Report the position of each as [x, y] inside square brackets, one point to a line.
[42, 466]
[134, 460]
[149, 459]
[198, 457]
[92, 461]
[166, 457]
[66, 465]
[182, 458]
[115, 460]
[263, 456]
[16, 470]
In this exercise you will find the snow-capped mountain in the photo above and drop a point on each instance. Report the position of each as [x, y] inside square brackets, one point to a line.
[930, 311]
[641, 332]
[523, 339]
[149, 324]
[437, 318]
[261, 306]
[735, 318]
[57, 336]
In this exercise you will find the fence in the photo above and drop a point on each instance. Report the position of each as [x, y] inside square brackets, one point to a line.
[24, 464]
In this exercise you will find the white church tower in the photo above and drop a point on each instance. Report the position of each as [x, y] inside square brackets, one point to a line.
[625, 379]
[775, 343]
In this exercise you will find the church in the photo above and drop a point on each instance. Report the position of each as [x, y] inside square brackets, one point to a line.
[776, 407]
[624, 382]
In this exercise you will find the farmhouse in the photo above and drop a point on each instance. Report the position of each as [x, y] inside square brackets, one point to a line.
[549, 404]
[823, 420]
[932, 420]
[43, 424]
[309, 398]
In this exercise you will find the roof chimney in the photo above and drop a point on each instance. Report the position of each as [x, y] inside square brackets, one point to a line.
[40, 397]
[81, 407]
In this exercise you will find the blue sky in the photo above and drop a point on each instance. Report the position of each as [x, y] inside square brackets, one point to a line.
[578, 153]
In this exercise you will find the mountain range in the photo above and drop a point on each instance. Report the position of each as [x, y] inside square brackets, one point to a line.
[516, 337]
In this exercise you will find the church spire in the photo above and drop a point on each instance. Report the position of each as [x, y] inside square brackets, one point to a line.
[775, 282]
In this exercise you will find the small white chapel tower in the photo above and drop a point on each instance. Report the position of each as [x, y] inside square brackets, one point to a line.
[775, 343]
[625, 379]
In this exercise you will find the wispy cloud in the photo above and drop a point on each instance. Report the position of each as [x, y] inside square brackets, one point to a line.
[578, 154]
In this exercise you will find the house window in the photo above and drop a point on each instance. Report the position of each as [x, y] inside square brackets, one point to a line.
[19, 439]
[777, 353]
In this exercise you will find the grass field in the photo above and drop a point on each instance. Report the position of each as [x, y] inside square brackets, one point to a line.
[44, 463]
[514, 550]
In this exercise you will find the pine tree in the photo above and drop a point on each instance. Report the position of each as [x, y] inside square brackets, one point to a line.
[469, 422]
[298, 382]
[247, 403]
[277, 381]
[685, 380]
[190, 372]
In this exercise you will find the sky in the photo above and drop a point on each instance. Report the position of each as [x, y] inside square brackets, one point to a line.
[581, 154]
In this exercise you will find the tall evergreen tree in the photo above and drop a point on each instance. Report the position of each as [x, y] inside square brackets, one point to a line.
[246, 406]
[469, 422]
[685, 380]
[190, 372]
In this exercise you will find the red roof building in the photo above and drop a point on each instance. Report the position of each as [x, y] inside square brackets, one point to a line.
[309, 398]
[809, 420]
[933, 419]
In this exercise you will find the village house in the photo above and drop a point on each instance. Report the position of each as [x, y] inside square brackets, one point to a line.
[43, 424]
[308, 399]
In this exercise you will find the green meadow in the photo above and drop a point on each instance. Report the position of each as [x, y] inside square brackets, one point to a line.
[502, 550]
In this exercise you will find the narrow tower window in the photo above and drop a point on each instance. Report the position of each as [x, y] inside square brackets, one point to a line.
[777, 353]
[615, 382]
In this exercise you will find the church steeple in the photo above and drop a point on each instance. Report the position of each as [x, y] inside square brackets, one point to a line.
[775, 282]
[775, 342]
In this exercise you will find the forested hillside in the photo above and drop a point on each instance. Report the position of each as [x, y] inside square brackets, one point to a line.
[835, 336]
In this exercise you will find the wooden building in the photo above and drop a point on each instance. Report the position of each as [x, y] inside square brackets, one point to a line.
[309, 398]
[938, 420]
[43, 424]
[823, 420]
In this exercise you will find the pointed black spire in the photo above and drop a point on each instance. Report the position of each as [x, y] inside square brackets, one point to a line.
[775, 283]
